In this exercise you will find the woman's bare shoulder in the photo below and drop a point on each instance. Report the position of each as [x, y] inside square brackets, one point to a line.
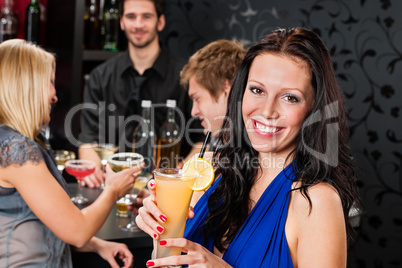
[323, 196]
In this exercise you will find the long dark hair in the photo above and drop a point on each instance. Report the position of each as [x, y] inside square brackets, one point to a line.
[322, 153]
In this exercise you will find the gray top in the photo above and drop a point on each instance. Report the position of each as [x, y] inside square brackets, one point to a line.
[24, 240]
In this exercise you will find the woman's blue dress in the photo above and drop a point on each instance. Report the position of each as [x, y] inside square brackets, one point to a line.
[261, 241]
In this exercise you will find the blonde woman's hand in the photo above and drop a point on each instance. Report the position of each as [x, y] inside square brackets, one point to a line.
[111, 250]
[121, 183]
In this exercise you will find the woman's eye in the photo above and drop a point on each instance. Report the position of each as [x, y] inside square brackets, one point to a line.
[291, 98]
[256, 90]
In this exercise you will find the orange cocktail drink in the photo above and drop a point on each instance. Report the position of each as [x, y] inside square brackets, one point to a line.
[173, 196]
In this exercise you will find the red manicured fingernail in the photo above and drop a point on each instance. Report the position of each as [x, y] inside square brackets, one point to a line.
[155, 236]
[162, 242]
[163, 218]
[151, 184]
[160, 229]
[150, 263]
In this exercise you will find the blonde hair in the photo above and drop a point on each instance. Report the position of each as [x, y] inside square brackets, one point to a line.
[213, 64]
[25, 74]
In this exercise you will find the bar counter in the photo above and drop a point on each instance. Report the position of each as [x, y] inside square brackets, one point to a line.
[139, 243]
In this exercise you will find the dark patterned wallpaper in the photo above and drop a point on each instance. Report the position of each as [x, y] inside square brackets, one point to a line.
[365, 40]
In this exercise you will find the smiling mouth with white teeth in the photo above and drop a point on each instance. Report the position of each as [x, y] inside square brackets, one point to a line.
[265, 129]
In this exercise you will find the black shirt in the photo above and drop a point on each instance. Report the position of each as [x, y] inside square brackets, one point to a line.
[114, 92]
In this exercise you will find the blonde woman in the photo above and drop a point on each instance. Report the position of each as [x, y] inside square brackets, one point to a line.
[37, 218]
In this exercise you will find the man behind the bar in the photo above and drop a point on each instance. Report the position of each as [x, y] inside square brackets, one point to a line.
[146, 71]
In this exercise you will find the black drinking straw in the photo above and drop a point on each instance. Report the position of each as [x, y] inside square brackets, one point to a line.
[206, 141]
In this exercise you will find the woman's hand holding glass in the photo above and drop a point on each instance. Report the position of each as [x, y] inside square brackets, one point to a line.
[149, 219]
[196, 255]
[118, 182]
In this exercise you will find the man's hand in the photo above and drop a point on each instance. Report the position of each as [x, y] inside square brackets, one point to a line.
[96, 179]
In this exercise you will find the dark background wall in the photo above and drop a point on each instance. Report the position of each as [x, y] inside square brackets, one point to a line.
[365, 40]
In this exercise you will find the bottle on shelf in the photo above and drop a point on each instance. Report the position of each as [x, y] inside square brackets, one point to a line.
[8, 22]
[111, 24]
[144, 139]
[169, 142]
[42, 28]
[91, 26]
[32, 22]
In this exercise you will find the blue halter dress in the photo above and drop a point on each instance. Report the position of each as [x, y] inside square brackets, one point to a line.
[261, 241]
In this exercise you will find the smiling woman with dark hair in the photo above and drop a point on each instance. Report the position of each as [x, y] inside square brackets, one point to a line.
[286, 175]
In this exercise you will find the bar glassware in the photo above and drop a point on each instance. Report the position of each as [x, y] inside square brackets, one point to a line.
[61, 157]
[118, 162]
[79, 169]
[173, 196]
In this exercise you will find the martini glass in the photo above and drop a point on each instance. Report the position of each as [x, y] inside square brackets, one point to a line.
[61, 157]
[104, 150]
[79, 169]
[118, 162]
[121, 161]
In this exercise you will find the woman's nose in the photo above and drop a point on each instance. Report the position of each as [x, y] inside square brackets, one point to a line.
[269, 110]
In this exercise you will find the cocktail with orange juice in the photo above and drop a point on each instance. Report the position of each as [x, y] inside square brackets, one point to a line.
[174, 189]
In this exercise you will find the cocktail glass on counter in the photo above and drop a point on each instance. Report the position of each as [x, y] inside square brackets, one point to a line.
[61, 157]
[124, 202]
[173, 195]
[79, 169]
[139, 184]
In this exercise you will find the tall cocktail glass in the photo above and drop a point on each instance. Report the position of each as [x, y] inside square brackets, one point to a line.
[173, 197]
[79, 169]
